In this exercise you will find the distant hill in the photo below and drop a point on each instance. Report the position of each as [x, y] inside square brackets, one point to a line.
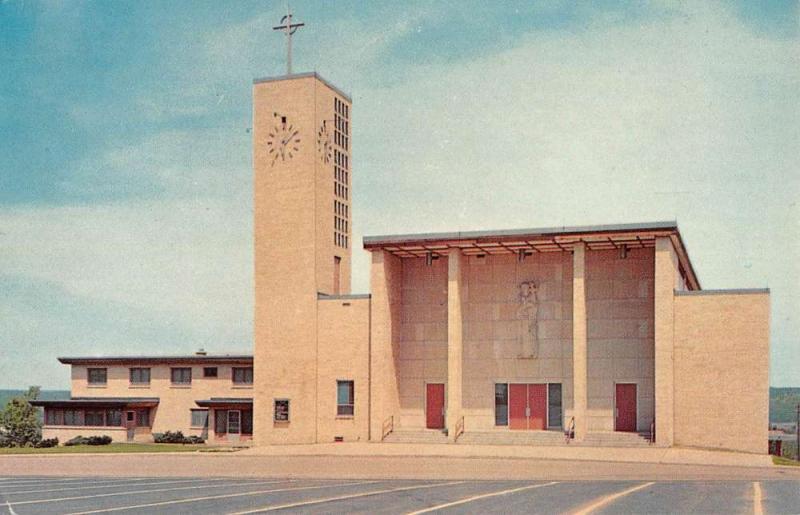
[783, 404]
[7, 395]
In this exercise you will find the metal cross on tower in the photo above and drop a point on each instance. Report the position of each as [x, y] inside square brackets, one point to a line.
[289, 28]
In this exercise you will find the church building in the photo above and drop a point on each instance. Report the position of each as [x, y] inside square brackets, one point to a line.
[594, 335]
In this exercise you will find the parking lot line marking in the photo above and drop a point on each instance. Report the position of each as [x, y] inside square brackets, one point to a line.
[213, 497]
[10, 509]
[758, 499]
[342, 497]
[482, 496]
[103, 485]
[149, 490]
[40, 481]
[611, 498]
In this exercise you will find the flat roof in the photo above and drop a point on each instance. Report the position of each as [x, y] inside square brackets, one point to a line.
[109, 402]
[303, 76]
[182, 359]
[543, 239]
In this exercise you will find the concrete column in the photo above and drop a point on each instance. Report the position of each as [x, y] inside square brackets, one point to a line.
[455, 341]
[579, 341]
[666, 266]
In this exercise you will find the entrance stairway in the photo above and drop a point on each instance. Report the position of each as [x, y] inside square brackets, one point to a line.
[548, 438]
[615, 439]
[422, 436]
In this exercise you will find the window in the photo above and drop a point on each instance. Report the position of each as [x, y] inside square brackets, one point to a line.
[181, 375]
[281, 410]
[210, 372]
[140, 376]
[344, 398]
[234, 422]
[243, 375]
[97, 375]
[501, 404]
[114, 417]
[54, 417]
[337, 270]
[247, 422]
[220, 421]
[554, 412]
[95, 418]
[143, 417]
[73, 417]
[199, 418]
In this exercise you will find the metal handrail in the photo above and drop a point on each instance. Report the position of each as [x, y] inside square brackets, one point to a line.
[388, 427]
[569, 433]
[459, 429]
[653, 432]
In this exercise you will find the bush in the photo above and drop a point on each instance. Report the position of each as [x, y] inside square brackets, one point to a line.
[176, 437]
[20, 421]
[46, 442]
[92, 440]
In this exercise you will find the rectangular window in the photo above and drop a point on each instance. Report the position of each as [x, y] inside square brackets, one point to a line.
[73, 417]
[210, 372]
[220, 422]
[501, 404]
[247, 422]
[554, 411]
[140, 376]
[199, 418]
[95, 418]
[181, 375]
[54, 417]
[234, 422]
[337, 270]
[114, 417]
[242, 375]
[143, 417]
[345, 393]
[281, 410]
[97, 375]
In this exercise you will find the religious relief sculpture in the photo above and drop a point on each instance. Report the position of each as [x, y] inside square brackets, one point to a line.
[527, 313]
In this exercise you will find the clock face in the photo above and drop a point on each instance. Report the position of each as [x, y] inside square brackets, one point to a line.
[324, 145]
[283, 141]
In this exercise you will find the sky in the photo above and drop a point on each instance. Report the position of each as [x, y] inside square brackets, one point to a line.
[125, 152]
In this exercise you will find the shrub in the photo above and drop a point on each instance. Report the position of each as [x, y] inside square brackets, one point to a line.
[92, 440]
[176, 437]
[46, 442]
[20, 421]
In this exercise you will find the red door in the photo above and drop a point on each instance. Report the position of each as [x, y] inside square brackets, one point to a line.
[537, 403]
[517, 406]
[434, 409]
[626, 408]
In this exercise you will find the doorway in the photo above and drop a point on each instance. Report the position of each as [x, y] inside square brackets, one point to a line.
[625, 407]
[527, 406]
[434, 405]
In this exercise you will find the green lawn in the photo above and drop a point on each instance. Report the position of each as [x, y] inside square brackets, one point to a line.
[110, 448]
[778, 460]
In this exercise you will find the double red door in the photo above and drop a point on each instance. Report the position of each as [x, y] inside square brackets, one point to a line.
[625, 406]
[434, 406]
[527, 406]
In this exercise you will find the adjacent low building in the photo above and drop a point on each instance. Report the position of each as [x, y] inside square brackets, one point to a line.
[129, 398]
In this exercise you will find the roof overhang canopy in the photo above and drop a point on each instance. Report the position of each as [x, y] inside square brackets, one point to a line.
[225, 402]
[99, 402]
[531, 241]
[157, 360]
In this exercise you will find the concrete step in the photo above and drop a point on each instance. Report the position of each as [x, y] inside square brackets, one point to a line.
[548, 438]
[422, 436]
[616, 439]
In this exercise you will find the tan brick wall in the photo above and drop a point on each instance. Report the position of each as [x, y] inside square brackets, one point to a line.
[386, 276]
[173, 411]
[722, 371]
[620, 333]
[422, 350]
[343, 328]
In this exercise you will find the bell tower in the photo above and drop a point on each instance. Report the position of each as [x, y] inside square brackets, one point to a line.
[302, 242]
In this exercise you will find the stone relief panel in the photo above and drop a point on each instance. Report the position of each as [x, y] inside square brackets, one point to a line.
[527, 313]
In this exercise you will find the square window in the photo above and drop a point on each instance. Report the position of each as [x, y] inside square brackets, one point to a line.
[210, 372]
[281, 410]
[73, 417]
[242, 375]
[114, 417]
[95, 418]
[97, 375]
[181, 375]
[345, 394]
[199, 418]
[140, 376]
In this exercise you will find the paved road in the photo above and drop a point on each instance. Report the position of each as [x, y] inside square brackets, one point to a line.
[37, 494]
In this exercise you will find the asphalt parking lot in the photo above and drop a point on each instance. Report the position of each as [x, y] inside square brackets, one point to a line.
[26, 494]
